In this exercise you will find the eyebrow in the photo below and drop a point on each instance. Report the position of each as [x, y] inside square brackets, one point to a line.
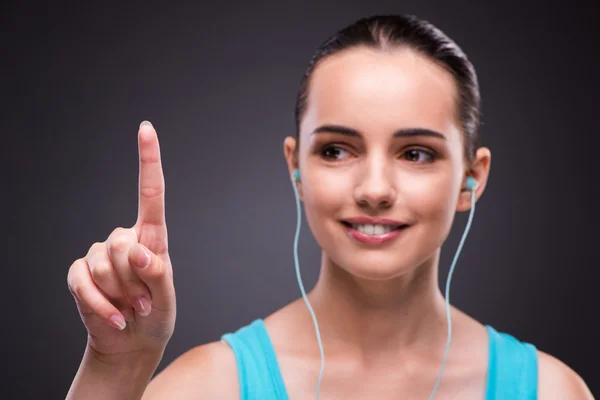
[408, 132]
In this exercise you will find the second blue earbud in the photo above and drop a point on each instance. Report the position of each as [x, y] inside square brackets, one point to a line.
[471, 183]
[296, 174]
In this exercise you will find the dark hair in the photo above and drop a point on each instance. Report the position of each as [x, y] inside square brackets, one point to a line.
[386, 32]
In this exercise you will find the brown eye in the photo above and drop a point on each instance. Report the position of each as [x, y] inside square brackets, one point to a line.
[333, 153]
[419, 156]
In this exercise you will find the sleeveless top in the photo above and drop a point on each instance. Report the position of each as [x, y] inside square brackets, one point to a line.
[512, 368]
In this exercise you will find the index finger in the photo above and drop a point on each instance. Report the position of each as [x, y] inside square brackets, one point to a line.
[151, 204]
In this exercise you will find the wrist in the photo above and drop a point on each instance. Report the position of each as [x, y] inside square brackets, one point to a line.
[123, 376]
[138, 361]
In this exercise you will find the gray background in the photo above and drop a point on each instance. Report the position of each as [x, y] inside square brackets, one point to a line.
[219, 84]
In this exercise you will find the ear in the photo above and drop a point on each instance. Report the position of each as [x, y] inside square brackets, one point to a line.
[291, 157]
[480, 170]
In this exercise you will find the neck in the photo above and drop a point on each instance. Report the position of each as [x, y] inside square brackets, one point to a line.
[379, 317]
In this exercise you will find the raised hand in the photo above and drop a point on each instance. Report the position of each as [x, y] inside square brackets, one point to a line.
[123, 287]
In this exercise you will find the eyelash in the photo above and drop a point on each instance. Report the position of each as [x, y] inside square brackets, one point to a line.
[432, 156]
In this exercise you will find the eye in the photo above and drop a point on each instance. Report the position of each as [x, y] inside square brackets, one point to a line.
[419, 156]
[332, 152]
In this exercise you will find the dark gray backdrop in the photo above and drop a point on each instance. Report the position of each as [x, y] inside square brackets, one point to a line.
[219, 84]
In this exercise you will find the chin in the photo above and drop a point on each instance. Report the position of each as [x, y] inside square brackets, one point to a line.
[375, 267]
[384, 263]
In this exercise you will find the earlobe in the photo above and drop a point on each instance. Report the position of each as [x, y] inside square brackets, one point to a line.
[296, 182]
[291, 155]
[475, 181]
[289, 152]
[468, 193]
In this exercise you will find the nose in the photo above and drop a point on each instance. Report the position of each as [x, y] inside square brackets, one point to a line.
[376, 189]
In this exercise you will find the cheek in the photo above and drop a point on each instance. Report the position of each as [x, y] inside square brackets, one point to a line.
[431, 199]
[325, 192]
[323, 200]
[433, 203]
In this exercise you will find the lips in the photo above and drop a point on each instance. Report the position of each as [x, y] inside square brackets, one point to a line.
[373, 221]
[373, 231]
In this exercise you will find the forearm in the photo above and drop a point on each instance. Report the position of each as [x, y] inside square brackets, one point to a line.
[123, 378]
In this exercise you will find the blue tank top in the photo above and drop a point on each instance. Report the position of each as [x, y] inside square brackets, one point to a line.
[512, 369]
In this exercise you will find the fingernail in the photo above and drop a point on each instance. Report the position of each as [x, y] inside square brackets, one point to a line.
[118, 322]
[142, 306]
[145, 258]
[145, 123]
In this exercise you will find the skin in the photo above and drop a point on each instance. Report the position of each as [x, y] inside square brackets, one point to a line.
[380, 311]
[388, 295]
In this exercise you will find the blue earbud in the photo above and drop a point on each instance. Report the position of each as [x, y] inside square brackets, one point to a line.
[296, 175]
[471, 183]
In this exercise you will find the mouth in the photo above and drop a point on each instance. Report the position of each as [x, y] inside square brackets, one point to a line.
[374, 233]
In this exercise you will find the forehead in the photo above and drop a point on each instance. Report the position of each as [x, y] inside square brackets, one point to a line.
[375, 90]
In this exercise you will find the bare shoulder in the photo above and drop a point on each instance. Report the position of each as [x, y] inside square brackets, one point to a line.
[206, 371]
[559, 381]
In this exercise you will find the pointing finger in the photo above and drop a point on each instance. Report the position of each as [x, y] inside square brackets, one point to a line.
[151, 206]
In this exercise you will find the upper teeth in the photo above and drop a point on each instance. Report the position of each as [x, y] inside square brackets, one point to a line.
[373, 230]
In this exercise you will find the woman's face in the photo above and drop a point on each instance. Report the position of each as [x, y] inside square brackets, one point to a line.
[380, 139]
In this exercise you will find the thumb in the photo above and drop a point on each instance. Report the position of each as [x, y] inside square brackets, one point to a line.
[152, 270]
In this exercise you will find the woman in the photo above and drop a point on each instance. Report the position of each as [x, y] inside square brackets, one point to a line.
[386, 151]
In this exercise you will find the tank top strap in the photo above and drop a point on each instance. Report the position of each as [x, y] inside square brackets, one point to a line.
[512, 365]
[512, 368]
[259, 375]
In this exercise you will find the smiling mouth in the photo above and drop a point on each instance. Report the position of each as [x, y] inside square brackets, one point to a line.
[374, 229]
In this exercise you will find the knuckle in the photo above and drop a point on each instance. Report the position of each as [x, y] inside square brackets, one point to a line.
[76, 288]
[95, 247]
[149, 192]
[101, 271]
[119, 243]
[72, 275]
[119, 232]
